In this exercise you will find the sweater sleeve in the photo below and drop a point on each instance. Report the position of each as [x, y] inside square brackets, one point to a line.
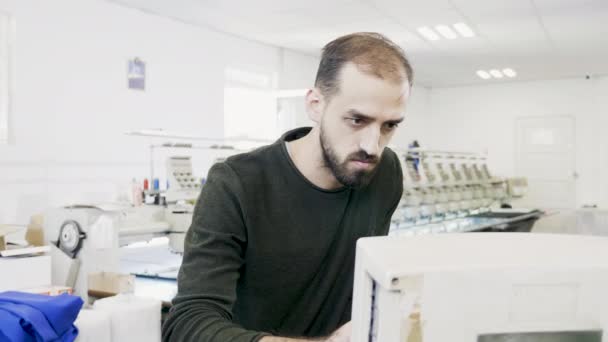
[214, 252]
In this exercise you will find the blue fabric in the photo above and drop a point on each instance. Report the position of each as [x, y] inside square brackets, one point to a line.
[30, 318]
[10, 325]
[26, 317]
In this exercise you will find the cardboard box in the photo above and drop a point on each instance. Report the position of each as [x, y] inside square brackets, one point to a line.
[18, 273]
[111, 282]
[35, 230]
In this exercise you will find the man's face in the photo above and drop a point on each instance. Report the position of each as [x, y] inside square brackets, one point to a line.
[358, 122]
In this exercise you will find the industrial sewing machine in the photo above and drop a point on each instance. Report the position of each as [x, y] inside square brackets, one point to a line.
[93, 237]
[101, 238]
[455, 192]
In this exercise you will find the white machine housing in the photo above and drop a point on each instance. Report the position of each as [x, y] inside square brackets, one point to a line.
[105, 228]
[480, 287]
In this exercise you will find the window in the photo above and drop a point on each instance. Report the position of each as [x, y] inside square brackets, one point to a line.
[250, 105]
[6, 44]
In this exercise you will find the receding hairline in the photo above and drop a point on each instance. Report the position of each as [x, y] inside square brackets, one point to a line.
[372, 53]
[397, 75]
[367, 69]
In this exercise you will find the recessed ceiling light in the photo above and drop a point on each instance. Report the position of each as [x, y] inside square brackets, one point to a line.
[509, 72]
[446, 32]
[428, 33]
[483, 74]
[464, 30]
[496, 73]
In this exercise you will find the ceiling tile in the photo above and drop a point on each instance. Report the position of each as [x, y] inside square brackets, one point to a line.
[540, 39]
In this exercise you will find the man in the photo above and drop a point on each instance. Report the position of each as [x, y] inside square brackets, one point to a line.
[270, 253]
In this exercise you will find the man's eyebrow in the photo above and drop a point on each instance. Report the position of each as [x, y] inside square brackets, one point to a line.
[394, 122]
[358, 115]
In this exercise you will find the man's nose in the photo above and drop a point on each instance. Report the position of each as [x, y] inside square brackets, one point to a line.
[370, 142]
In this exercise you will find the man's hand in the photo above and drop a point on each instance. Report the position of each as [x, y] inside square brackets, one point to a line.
[340, 335]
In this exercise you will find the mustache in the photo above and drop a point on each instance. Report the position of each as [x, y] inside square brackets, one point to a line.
[363, 156]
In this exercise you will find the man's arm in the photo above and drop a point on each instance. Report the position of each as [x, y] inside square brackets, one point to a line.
[213, 254]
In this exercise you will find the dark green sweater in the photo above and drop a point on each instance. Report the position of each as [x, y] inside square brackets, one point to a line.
[268, 252]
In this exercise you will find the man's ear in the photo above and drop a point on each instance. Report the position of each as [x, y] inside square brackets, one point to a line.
[315, 104]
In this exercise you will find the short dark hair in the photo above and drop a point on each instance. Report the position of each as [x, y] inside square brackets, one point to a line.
[371, 52]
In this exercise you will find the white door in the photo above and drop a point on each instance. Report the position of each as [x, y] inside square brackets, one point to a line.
[546, 156]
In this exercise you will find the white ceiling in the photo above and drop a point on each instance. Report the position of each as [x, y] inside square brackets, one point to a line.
[540, 39]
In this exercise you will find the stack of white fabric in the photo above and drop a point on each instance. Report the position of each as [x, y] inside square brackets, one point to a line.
[93, 326]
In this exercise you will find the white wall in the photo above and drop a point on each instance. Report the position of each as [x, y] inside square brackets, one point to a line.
[72, 103]
[482, 118]
[302, 77]
[417, 118]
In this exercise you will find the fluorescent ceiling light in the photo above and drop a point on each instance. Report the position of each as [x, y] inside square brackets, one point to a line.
[509, 72]
[483, 74]
[496, 73]
[446, 32]
[428, 33]
[464, 30]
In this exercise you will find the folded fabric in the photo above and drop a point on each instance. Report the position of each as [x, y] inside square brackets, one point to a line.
[26, 317]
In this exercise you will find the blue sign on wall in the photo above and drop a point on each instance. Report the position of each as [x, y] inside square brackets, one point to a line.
[137, 74]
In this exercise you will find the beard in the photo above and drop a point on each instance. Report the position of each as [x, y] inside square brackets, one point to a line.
[352, 179]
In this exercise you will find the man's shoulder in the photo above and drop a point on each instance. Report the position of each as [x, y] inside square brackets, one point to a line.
[391, 155]
[390, 162]
[245, 172]
[259, 156]
[252, 164]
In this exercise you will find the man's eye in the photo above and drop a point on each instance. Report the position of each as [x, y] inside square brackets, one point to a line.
[389, 127]
[356, 121]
